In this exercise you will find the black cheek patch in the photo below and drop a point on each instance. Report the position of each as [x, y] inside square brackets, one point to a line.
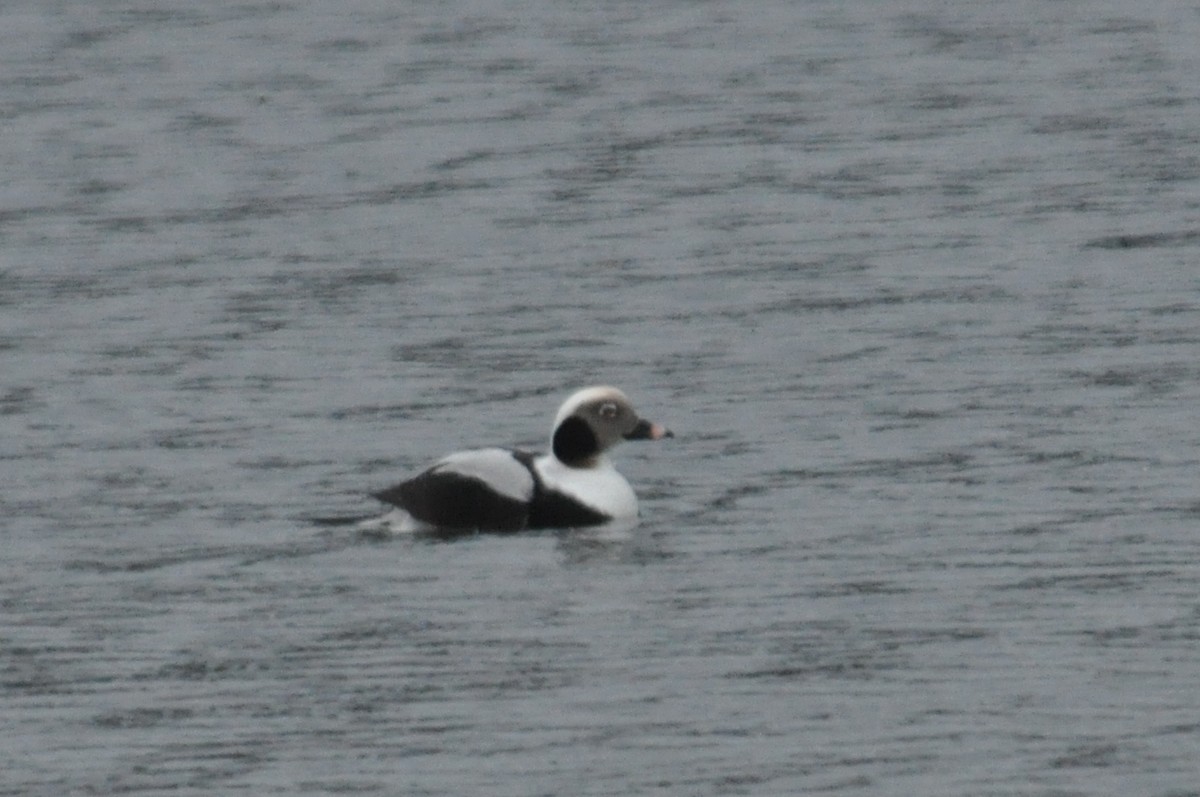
[575, 442]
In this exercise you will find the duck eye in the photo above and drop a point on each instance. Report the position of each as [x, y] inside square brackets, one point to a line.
[609, 410]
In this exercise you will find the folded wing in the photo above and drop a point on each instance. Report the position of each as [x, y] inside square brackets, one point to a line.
[486, 489]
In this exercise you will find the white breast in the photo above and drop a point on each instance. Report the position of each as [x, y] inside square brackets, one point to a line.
[599, 487]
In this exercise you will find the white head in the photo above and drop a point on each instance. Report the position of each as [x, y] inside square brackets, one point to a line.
[595, 419]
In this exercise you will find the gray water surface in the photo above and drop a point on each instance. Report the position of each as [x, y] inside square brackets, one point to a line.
[916, 285]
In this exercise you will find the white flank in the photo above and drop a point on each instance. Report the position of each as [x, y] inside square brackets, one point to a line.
[495, 467]
[396, 521]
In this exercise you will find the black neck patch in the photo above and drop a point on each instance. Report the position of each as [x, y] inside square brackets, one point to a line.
[575, 442]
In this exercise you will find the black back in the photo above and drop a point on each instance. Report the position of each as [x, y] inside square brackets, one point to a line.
[450, 500]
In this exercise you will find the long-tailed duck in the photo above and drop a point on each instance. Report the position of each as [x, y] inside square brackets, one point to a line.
[498, 489]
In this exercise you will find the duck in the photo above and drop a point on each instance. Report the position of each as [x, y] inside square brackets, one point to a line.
[573, 484]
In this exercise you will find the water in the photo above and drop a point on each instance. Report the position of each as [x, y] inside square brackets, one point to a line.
[914, 284]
